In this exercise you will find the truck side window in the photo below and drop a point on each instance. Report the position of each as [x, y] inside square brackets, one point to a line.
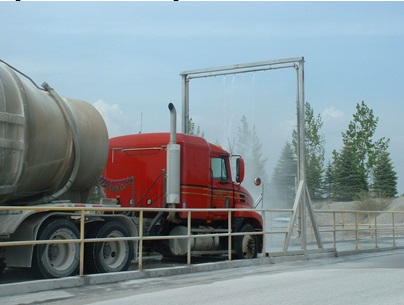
[219, 169]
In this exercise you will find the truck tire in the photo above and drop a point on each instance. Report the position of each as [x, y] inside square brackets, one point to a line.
[108, 256]
[246, 246]
[56, 260]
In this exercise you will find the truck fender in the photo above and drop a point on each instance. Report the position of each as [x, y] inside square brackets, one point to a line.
[254, 218]
[21, 256]
[237, 223]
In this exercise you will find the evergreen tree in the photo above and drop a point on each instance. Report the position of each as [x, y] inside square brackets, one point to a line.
[314, 145]
[348, 179]
[354, 167]
[249, 147]
[314, 176]
[243, 137]
[359, 137]
[259, 162]
[329, 180]
[385, 177]
[194, 131]
[283, 182]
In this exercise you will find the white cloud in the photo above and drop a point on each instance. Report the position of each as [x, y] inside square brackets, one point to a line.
[116, 120]
[332, 113]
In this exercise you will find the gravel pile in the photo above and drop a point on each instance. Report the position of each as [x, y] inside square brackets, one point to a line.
[397, 205]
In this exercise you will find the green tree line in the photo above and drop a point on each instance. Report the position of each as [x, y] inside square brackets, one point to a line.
[362, 165]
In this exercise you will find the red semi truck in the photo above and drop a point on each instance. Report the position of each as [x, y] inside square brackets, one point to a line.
[184, 171]
[53, 151]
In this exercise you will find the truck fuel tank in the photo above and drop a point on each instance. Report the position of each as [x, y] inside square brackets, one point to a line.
[50, 147]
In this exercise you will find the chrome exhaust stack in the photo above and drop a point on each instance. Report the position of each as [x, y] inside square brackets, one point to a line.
[173, 164]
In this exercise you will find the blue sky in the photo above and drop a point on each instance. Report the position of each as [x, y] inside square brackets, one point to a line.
[126, 57]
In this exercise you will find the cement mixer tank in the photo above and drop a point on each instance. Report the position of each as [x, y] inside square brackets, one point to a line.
[50, 147]
[53, 151]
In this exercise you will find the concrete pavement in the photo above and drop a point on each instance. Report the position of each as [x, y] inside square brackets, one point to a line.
[371, 278]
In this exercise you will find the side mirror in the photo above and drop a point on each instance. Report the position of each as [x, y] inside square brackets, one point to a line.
[239, 170]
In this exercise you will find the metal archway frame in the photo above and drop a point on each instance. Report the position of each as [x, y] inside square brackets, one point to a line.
[302, 199]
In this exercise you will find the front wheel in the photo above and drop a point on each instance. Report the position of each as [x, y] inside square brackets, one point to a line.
[109, 256]
[246, 246]
[57, 259]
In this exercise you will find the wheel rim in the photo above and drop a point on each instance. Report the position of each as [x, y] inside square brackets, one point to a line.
[60, 256]
[113, 253]
[248, 246]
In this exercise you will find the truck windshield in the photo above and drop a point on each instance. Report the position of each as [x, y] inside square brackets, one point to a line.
[219, 169]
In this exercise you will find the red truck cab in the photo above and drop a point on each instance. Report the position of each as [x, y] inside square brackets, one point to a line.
[205, 178]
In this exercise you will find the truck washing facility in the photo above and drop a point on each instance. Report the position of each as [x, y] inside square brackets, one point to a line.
[169, 193]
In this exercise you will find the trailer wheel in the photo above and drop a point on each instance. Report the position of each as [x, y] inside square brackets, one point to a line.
[246, 246]
[108, 256]
[56, 260]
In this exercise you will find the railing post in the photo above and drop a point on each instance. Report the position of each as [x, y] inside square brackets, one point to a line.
[334, 233]
[356, 231]
[264, 251]
[343, 225]
[394, 230]
[229, 232]
[140, 258]
[375, 231]
[82, 237]
[189, 238]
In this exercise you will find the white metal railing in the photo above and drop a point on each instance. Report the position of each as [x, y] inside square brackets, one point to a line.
[341, 229]
[81, 211]
[363, 225]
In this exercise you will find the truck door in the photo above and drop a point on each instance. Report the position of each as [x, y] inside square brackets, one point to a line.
[222, 186]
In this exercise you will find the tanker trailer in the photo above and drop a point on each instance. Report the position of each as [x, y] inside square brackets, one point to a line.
[52, 153]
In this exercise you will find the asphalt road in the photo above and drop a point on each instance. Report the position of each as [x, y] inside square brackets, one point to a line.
[356, 279]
